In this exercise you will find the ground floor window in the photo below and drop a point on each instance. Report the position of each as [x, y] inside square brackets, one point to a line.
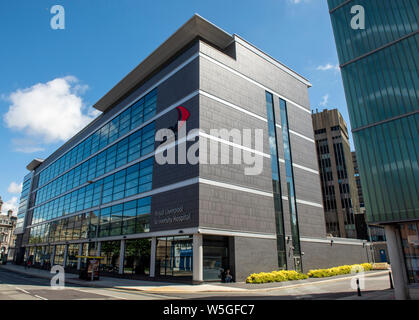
[137, 257]
[46, 256]
[110, 253]
[87, 250]
[216, 257]
[174, 256]
[59, 254]
[410, 242]
[72, 253]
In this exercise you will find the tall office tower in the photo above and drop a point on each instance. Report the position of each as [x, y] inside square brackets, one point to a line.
[105, 191]
[377, 44]
[360, 219]
[340, 194]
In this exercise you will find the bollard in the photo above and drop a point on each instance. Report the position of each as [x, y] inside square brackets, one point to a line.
[391, 280]
[359, 289]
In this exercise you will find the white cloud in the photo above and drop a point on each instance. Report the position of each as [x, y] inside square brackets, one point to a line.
[325, 100]
[48, 112]
[298, 1]
[14, 188]
[328, 66]
[27, 145]
[11, 204]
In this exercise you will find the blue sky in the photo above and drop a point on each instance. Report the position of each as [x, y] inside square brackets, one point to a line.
[62, 73]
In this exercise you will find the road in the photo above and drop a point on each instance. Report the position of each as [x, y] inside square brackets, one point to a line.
[14, 286]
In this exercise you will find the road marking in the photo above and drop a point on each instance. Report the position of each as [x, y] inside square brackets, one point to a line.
[23, 290]
[42, 298]
[143, 293]
[103, 294]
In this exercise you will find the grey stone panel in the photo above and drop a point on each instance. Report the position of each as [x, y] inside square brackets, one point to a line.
[307, 186]
[262, 71]
[310, 220]
[235, 210]
[216, 115]
[300, 121]
[232, 88]
[254, 255]
[323, 255]
[303, 152]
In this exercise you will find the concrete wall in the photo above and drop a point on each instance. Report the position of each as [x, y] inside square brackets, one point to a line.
[323, 255]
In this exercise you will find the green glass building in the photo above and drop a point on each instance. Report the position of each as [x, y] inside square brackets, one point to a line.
[378, 43]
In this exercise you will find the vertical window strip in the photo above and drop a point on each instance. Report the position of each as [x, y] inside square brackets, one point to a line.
[291, 187]
[276, 183]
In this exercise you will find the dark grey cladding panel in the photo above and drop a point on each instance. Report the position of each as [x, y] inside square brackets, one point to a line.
[99, 121]
[170, 119]
[175, 209]
[178, 86]
[171, 173]
[167, 174]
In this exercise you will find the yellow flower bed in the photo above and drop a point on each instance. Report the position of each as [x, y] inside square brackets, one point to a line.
[275, 276]
[289, 275]
[322, 273]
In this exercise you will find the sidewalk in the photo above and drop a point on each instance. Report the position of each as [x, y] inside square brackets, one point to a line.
[165, 287]
[376, 295]
[120, 283]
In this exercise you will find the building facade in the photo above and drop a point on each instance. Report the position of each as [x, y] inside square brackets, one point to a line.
[7, 236]
[337, 177]
[104, 192]
[377, 46]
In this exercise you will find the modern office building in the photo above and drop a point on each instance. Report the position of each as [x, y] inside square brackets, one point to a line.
[377, 45]
[337, 177]
[104, 192]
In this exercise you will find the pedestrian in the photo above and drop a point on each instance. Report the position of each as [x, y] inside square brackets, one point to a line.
[29, 264]
[228, 276]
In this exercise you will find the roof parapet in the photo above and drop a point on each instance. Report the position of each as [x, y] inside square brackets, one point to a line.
[193, 28]
[34, 164]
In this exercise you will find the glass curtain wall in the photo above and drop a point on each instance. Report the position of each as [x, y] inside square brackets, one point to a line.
[276, 183]
[292, 201]
[137, 257]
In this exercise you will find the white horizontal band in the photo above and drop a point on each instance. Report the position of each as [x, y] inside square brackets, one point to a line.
[203, 55]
